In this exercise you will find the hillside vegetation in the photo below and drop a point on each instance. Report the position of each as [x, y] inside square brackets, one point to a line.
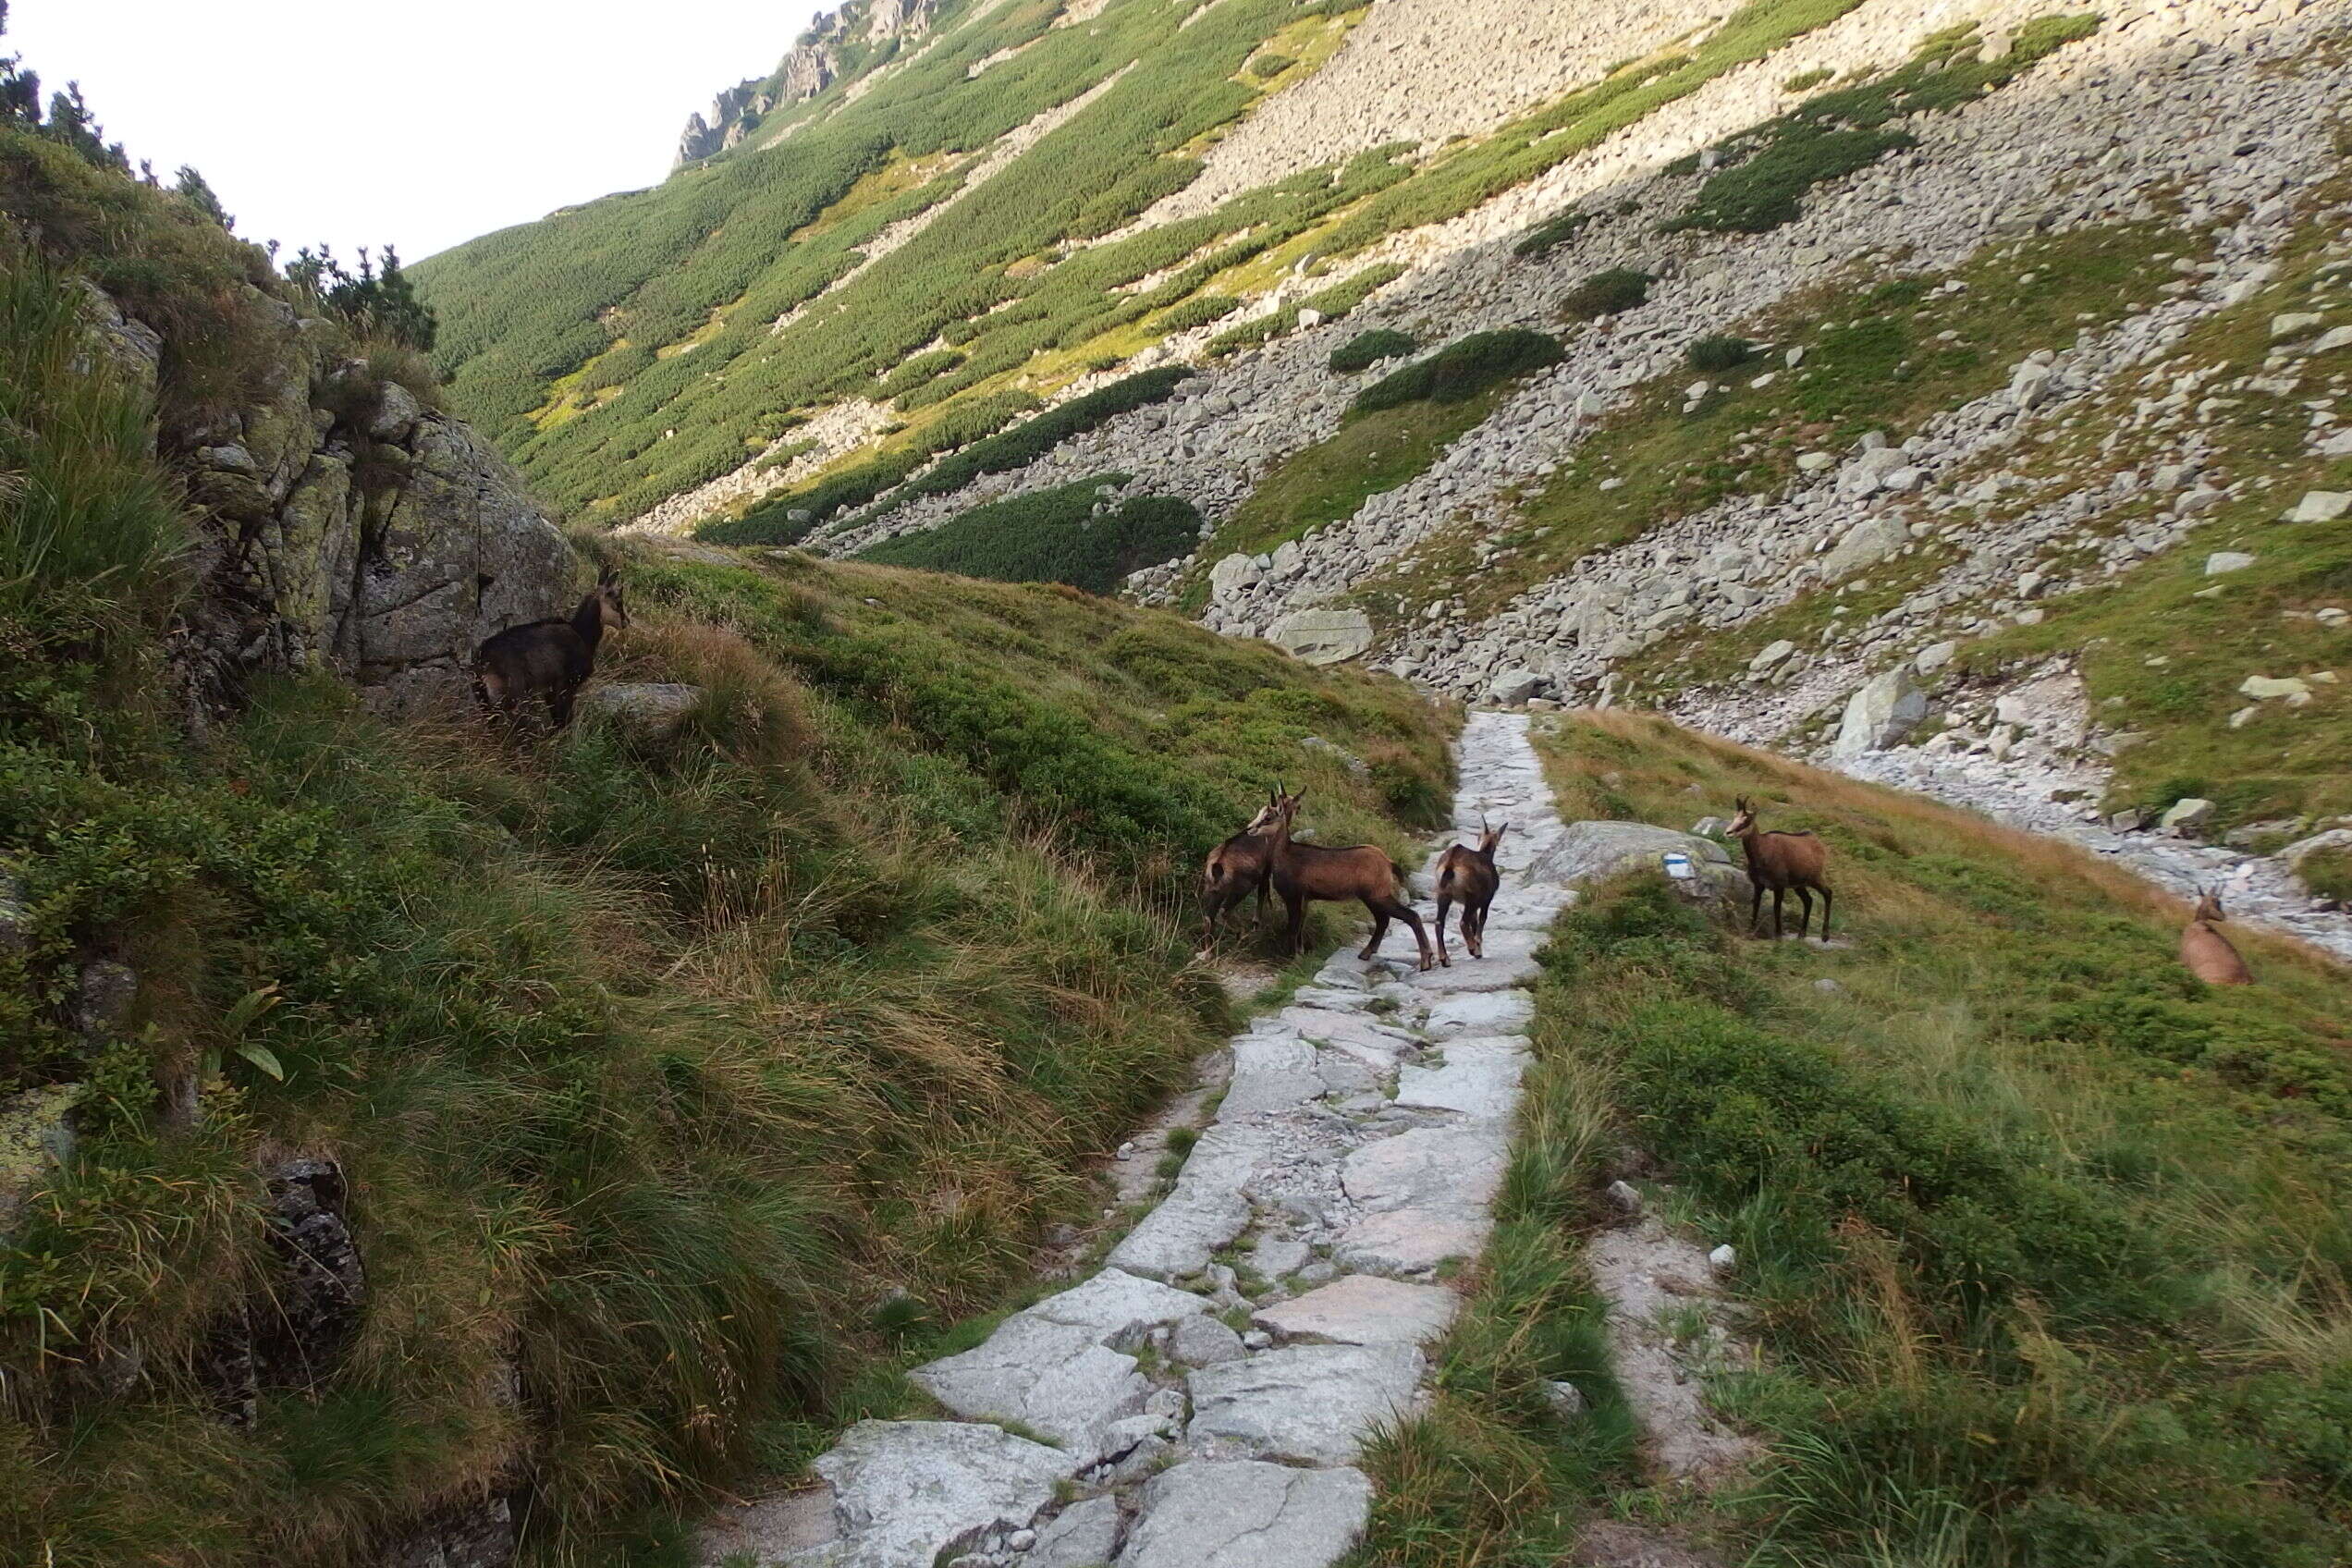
[2040, 1242]
[671, 1081]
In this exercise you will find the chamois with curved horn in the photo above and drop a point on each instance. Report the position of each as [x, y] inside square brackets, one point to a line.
[1242, 864]
[548, 659]
[2205, 953]
[1306, 874]
[1781, 863]
[1468, 877]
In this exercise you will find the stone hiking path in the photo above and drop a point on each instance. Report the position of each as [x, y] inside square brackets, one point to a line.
[1356, 1153]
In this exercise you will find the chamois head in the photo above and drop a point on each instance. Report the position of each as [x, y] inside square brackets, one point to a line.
[1743, 817]
[1285, 805]
[2209, 908]
[609, 608]
[1489, 837]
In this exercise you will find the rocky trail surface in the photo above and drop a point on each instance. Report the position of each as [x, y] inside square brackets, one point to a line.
[1203, 1398]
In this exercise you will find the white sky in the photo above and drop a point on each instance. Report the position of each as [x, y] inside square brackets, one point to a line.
[421, 122]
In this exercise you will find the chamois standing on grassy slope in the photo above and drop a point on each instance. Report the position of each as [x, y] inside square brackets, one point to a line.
[1242, 864]
[1781, 862]
[1468, 877]
[2205, 953]
[1306, 874]
[549, 659]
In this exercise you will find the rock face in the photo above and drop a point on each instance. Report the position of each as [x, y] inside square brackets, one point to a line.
[346, 527]
[1246, 1515]
[810, 66]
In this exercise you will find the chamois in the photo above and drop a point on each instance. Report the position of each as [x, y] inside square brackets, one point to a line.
[1235, 868]
[1304, 873]
[2205, 953]
[1469, 875]
[1781, 862]
[549, 659]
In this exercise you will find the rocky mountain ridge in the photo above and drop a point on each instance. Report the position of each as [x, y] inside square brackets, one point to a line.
[812, 64]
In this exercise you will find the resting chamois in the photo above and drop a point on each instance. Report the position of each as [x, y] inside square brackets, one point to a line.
[1306, 874]
[1781, 862]
[1242, 864]
[1469, 877]
[549, 659]
[2205, 953]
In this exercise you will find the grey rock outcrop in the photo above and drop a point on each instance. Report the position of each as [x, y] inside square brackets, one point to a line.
[1595, 852]
[1884, 710]
[342, 525]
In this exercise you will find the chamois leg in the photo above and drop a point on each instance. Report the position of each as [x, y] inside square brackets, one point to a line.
[1805, 910]
[1444, 903]
[559, 702]
[1379, 929]
[1825, 913]
[1294, 933]
[1405, 912]
[1477, 939]
[1264, 893]
[1778, 930]
[1754, 906]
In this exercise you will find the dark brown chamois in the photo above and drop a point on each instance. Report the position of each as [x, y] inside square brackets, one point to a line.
[1241, 865]
[548, 659]
[1781, 862]
[1468, 877]
[2205, 953]
[1306, 874]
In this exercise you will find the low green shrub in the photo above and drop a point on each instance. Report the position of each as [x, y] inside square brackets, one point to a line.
[1804, 81]
[1198, 311]
[1719, 351]
[1462, 369]
[1547, 236]
[1052, 536]
[1269, 65]
[1606, 294]
[1368, 349]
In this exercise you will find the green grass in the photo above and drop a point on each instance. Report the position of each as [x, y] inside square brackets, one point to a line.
[1333, 302]
[1836, 133]
[1489, 1473]
[655, 1067]
[2044, 1241]
[1052, 536]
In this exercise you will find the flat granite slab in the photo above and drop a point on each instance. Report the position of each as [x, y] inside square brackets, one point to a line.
[1205, 1513]
[1311, 1404]
[905, 1491]
[1363, 1309]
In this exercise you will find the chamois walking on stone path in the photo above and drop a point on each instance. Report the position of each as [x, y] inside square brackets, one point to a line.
[1242, 864]
[1354, 1158]
[548, 659]
[1306, 874]
[1468, 877]
[1781, 862]
[2205, 953]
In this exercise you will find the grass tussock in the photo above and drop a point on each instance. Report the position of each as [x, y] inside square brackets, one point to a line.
[2044, 1239]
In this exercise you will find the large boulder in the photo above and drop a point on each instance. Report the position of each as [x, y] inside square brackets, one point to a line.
[1322, 636]
[1233, 576]
[1865, 545]
[1881, 713]
[1595, 852]
[653, 710]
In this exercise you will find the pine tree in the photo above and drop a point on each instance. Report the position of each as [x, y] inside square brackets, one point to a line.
[71, 122]
[192, 187]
